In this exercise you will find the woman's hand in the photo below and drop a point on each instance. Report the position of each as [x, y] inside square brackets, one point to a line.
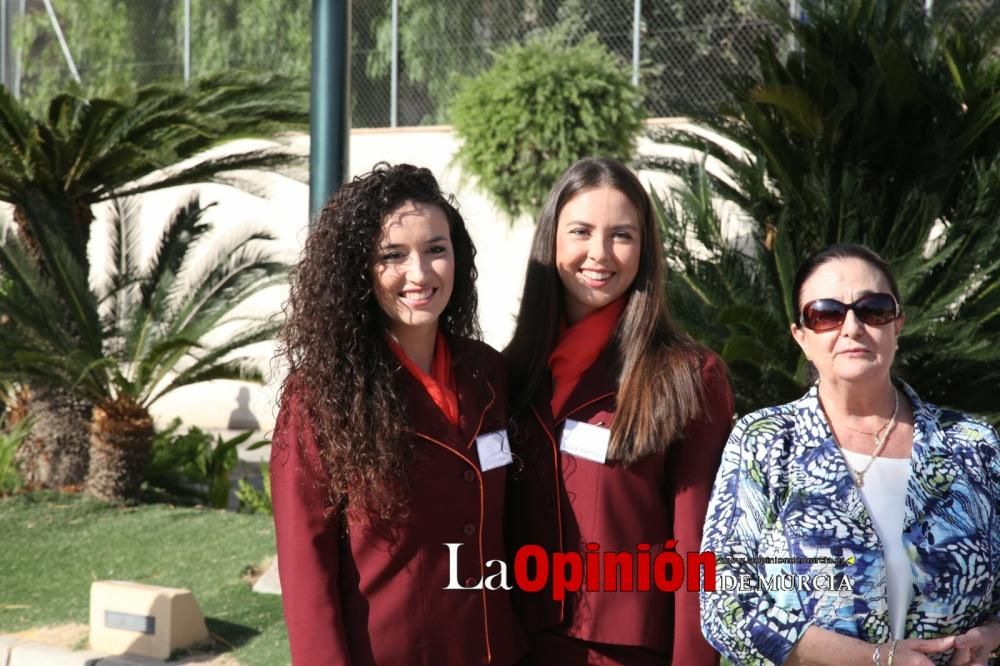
[822, 647]
[914, 651]
[973, 648]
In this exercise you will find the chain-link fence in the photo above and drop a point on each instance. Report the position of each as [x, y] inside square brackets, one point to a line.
[680, 51]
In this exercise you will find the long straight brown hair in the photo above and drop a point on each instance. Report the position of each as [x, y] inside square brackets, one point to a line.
[659, 385]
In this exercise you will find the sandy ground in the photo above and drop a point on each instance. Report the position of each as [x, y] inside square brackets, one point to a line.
[74, 637]
[69, 636]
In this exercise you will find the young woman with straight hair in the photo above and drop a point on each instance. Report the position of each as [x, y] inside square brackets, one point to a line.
[620, 420]
[391, 440]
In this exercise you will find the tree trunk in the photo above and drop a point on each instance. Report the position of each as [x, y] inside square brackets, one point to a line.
[120, 448]
[56, 453]
[24, 232]
[76, 234]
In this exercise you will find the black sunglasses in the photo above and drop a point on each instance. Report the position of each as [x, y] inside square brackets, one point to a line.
[827, 314]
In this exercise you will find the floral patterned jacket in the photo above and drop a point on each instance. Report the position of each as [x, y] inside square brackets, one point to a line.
[784, 506]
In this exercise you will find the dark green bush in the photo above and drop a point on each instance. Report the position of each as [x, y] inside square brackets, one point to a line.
[543, 105]
[193, 467]
[254, 500]
[881, 128]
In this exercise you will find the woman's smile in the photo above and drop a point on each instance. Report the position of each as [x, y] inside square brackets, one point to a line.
[418, 297]
[596, 278]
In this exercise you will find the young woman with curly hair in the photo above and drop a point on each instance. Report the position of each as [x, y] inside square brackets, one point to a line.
[620, 419]
[391, 438]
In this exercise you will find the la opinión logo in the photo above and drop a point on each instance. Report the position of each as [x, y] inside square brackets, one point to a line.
[641, 571]
[594, 570]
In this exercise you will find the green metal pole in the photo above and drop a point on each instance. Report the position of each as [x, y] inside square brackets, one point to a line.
[330, 108]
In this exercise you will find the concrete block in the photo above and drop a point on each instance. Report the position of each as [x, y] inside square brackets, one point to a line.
[146, 620]
[36, 654]
[269, 583]
[6, 645]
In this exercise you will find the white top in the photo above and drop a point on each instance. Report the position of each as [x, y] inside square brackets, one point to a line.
[884, 494]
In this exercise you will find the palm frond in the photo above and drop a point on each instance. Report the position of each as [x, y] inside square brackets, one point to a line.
[245, 370]
[66, 277]
[207, 363]
[185, 228]
[86, 151]
[239, 265]
[877, 128]
[209, 170]
[182, 299]
[124, 252]
[40, 336]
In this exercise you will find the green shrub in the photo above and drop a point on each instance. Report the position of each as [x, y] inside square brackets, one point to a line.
[895, 145]
[252, 500]
[194, 466]
[543, 105]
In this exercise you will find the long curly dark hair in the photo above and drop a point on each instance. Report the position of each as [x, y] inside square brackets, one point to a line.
[334, 337]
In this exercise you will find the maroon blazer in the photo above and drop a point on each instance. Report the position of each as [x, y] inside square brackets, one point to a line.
[562, 502]
[363, 595]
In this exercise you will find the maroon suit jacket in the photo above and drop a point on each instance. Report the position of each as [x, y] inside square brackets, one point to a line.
[374, 596]
[563, 502]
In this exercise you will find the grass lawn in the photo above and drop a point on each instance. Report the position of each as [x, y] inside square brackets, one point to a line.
[55, 545]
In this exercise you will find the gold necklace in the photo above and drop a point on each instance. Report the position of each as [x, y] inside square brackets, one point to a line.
[881, 437]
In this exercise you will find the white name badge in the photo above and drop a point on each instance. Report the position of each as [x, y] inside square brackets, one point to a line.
[585, 441]
[494, 450]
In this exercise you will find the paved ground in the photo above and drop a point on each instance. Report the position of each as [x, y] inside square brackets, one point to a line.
[54, 646]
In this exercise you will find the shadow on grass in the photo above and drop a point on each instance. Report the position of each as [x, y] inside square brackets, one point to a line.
[225, 637]
[230, 634]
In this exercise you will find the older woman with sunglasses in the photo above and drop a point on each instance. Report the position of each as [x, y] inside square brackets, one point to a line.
[858, 524]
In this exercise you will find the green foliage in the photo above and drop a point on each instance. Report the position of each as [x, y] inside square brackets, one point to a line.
[256, 501]
[880, 128]
[87, 150]
[10, 440]
[99, 33]
[194, 467]
[143, 330]
[173, 470]
[729, 301]
[431, 73]
[6, 390]
[120, 45]
[139, 333]
[542, 106]
[250, 34]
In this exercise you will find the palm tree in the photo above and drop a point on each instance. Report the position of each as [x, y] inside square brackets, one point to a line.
[85, 151]
[141, 333]
[879, 126]
[734, 294]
